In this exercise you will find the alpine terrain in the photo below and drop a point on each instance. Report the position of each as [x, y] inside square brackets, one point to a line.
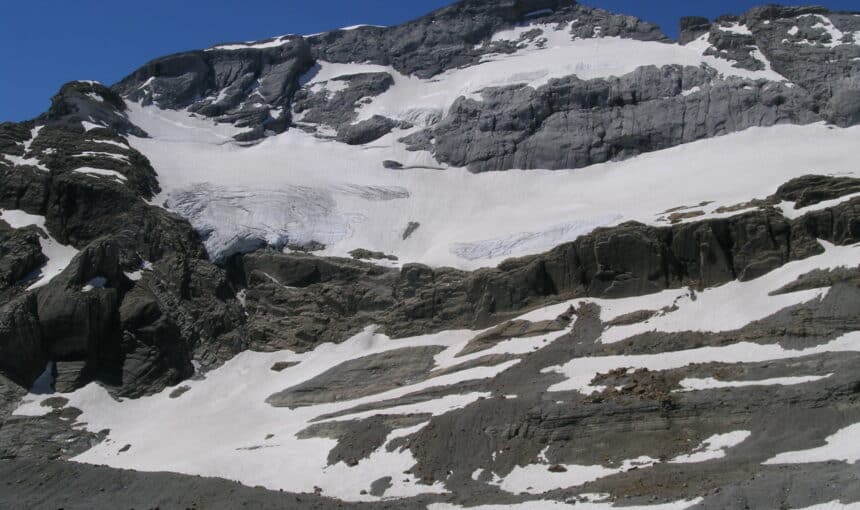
[512, 254]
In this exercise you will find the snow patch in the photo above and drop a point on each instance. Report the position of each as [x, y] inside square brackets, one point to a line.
[841, 446]
[729, 67]
[537, 479]
[112, 142]
[89, 126]
[20, 219]
[99, 282]
[736, 28]
[691, 91]
[136, 276]
[99, 172]
[254, 45]
[354, 27]
[709, 383]
[24, 160]
[833, 505]
[59, 257]
[826, 25]
[110, 155]
[790, 211]
[713, 448]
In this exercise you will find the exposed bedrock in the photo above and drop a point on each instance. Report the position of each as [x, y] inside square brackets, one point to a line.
[799, 44]
[60, 153]
[136, 332]
[814, 189]
[91, 102]
[138, 302]
[20, 255]
[334, 105]
[567, 124]
[247, 86]
[572, 123]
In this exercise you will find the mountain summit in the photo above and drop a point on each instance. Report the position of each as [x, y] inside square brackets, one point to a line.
[511, 254]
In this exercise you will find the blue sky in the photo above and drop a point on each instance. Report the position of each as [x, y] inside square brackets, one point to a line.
[45, 43]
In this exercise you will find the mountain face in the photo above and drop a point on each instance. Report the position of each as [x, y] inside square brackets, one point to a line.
[512, 254]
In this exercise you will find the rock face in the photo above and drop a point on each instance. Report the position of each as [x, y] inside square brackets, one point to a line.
[245, 85]
[20, 254]
[131, 329]
[89, 102]
[337, 109]
[703, 355]
[800, 43]
[572, 123]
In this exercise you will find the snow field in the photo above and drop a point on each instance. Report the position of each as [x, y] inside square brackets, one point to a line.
[467, 220]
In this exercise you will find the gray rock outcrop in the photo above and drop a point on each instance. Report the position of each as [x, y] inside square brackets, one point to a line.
[572, 123]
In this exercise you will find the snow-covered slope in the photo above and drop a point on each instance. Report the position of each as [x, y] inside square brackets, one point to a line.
[294, 189]
[299, 191]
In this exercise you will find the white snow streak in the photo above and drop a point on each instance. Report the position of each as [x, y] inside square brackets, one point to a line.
[713, 448]
[98, 172]
[709, 383]
[842, 446]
